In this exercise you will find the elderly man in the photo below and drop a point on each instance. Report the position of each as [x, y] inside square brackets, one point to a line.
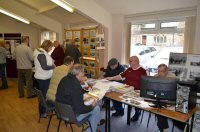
[132, 77]
[58, 54]
[24, 58]
[70, 92]
[163, 72]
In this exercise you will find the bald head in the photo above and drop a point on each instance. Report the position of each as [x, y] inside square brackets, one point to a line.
[134, 62]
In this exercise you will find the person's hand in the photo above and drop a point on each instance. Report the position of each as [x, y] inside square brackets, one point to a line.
[94, 103]
[109, 78]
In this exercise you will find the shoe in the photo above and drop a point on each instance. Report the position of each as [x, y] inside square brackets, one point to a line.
[101, 122]
[112, 108]
[44, 115]
[32, 96]
[118, 114]
[135, 118]
[21, 96]
[160, 130]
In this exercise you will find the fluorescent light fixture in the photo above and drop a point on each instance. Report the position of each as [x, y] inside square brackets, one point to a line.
[14, 16]
[64, 5]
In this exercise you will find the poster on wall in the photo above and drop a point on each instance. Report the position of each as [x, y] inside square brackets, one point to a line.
[185, 66]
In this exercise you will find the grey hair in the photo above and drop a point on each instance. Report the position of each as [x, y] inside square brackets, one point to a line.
[76, 69]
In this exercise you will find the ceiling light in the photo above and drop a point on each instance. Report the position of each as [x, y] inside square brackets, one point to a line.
[64, 5]
[14, 16]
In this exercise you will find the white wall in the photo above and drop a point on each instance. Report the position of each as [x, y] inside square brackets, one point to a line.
[9, 25]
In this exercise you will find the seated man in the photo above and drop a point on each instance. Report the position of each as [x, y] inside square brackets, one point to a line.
[132, 77]
[58, 73]
[115, 68]
[70, 92]
[163, 72]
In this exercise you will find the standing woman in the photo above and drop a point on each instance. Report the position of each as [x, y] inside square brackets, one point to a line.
[3, 64]
[44, 66]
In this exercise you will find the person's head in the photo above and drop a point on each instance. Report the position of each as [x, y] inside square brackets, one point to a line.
[113, 63]
[68, 60]
[78, 71]
[2, 43]
[47, 45]
[25, 40]
[56, 43]
[134, 62]
[162, 70]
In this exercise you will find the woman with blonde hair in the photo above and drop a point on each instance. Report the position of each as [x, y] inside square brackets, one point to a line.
[3, 64]
[44, 66]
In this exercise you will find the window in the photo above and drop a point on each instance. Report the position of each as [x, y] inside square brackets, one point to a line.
[153, 42]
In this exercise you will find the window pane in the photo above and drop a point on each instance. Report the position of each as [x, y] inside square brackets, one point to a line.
[173, 24]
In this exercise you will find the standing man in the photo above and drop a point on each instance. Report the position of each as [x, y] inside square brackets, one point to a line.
[132, 77]
[24, 58]
[58, 54]
[73, 51]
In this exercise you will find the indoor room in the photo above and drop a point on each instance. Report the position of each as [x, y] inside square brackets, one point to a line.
[135, 62]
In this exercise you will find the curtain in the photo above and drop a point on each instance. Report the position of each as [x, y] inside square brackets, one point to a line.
[189, 34]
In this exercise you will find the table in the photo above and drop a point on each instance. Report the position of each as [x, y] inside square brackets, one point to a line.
[166, 112]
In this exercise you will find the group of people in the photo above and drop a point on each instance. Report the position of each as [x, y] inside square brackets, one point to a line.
[59, 78]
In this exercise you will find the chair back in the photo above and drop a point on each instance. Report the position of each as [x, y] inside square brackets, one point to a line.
[65, 112]
[41, 99]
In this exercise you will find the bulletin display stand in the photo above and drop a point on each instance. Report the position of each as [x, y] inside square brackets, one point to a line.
[86, 40]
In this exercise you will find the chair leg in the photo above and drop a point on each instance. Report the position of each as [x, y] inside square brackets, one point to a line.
[49, 122]
[173, 127]
[142, 117]
[58, 125]
[90, 126]
[71, 127]
[148, 119]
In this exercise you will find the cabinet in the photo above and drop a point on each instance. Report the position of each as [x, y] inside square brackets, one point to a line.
[85, 39]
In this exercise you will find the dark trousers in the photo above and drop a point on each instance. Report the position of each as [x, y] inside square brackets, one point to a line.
[137, 112]
[3, 76]
[118, 106]
[162, 122]
[43, 86]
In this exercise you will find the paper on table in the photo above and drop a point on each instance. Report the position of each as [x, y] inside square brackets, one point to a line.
[99, 89]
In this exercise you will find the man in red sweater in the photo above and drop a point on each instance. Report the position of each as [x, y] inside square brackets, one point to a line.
[132, 77]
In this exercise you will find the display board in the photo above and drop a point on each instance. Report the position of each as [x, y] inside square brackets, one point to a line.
[185, 66]
[87, 43]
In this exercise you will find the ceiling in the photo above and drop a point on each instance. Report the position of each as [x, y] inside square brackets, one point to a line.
[127, 7]
[124, 7]
[48, 8]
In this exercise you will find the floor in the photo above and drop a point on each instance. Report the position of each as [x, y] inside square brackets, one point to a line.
[21, 115]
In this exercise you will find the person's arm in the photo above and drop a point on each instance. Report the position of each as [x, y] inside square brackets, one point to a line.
[43, 62]
[114, 78]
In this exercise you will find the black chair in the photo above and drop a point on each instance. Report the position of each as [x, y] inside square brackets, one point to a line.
[65, 112]
[50, 109]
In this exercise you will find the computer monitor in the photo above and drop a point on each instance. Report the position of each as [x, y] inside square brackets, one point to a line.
[159, 90]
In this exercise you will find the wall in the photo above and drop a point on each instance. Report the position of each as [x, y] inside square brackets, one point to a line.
[9, 25]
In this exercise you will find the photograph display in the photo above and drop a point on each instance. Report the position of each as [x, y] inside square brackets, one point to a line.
[185, 66]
